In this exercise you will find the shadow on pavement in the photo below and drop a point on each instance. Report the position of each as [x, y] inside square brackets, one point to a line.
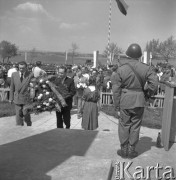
[31, 158]
[145, 144]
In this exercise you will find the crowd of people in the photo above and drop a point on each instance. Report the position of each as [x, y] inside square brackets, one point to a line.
[84, 83]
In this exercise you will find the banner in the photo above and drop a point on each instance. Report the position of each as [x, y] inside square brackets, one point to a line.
[122, 6]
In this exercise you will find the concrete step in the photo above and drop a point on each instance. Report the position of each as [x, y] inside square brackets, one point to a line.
[31, 153]
[79, 168]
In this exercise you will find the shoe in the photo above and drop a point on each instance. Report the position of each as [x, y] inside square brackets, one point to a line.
[123, 152]
[131, 152]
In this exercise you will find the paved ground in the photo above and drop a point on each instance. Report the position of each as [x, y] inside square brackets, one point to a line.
[43, 152]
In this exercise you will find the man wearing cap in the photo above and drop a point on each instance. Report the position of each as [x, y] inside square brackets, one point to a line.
[129, 99]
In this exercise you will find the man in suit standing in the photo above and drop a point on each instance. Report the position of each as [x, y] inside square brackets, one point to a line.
[65, 116]
[19, 93]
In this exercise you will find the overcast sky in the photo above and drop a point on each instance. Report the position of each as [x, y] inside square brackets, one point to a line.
[53, 25]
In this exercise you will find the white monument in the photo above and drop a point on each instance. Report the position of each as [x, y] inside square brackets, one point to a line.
[25, 56]
[95, 58]
[145, 57]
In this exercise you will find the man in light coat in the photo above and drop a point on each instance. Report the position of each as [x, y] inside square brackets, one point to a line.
[19, 93]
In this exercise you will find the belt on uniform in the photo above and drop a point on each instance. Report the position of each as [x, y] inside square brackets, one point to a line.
[132, 89]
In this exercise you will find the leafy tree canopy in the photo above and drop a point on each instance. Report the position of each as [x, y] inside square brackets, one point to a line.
[7, 50]
[165, 49]
[112, 50]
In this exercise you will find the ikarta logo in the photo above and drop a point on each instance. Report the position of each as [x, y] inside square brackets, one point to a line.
[124, 170]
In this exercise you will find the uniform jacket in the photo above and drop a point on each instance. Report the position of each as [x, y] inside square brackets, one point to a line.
[69, 83]
[127, 90]
[19, 90]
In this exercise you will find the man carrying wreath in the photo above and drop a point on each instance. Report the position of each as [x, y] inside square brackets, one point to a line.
[68, 86]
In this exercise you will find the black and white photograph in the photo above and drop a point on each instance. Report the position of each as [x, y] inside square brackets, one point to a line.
[87, 89]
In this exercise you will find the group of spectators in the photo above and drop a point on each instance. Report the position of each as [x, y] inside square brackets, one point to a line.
[102, 73]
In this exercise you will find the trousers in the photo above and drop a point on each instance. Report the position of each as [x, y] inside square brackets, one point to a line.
[20, 117]
[129, 125]
[79, 106]
[63, 117]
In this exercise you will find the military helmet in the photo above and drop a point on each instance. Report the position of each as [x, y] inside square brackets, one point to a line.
[134, 51]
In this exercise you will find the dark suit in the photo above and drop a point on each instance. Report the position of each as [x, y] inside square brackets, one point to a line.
[19, 95]
[64, 115]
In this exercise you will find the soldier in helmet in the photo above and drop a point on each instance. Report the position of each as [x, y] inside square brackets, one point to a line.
[129, 99]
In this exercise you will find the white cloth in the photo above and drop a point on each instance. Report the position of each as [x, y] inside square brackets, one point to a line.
[92, 88]
[159, 75]
[20, 74]
[10, 71]
[86, 75]
[38, 71]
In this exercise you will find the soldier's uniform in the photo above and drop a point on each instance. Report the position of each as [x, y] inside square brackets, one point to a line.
[129, 99]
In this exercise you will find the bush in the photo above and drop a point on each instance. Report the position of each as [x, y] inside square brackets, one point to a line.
[7, 109]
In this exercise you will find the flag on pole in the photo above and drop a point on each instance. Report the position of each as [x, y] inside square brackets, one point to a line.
[122, 6]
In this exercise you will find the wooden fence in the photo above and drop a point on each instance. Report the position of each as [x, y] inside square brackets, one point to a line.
[4, 94]
[106, 98]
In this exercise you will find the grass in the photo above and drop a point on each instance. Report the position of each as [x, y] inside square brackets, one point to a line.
[6, 109]
[152, 117]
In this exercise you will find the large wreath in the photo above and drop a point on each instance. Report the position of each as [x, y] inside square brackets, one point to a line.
[45, 95]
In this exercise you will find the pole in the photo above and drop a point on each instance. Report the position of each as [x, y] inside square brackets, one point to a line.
[95, 58]
[109, 32]
[25, 56]
[66, 57]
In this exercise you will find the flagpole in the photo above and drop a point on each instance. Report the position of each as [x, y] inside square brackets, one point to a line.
[66, 56]
[123, 8]
[109, 31]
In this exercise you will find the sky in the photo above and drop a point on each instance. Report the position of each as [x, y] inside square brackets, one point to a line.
[53, 25]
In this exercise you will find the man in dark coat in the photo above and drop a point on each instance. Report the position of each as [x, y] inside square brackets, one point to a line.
[65, 116]
[129, 98]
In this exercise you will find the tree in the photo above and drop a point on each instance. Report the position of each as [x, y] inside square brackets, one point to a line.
[153, 47]
[112, 51]
[165, 49]
[7, 50]
[73, 50]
